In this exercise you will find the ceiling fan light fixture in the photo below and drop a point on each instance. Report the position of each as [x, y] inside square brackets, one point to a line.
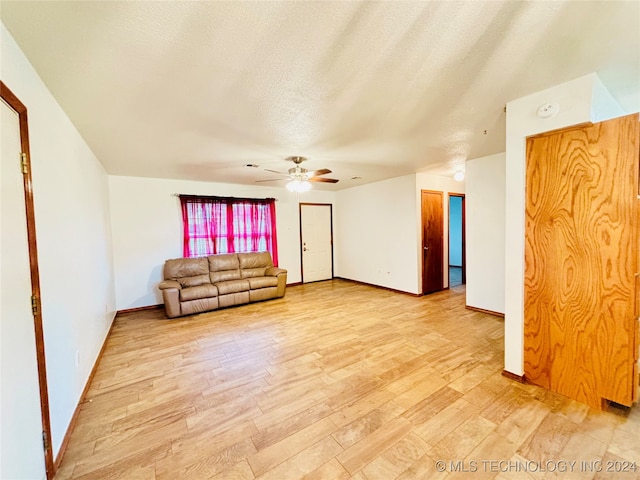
[299, 186]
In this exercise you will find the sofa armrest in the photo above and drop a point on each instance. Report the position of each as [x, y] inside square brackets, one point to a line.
[281, 275]
[274, 271]
[171, 296]
[169, 284]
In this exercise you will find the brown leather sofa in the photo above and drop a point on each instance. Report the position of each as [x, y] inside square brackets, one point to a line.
[194, 285]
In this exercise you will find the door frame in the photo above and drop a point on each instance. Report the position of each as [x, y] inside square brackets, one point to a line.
[463, 233]
[441, 193]
[300, 205]
[12, 100]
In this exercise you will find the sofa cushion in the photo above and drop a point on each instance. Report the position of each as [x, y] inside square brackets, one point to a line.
[224, 267]
[195, 281]
[254, 264]
[232, 286]
[200, 291]
[189, 272]
[262, 282]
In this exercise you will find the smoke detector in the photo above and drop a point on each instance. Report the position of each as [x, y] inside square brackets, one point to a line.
[548, 110]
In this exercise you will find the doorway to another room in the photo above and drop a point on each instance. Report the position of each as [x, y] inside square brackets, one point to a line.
[457, 264]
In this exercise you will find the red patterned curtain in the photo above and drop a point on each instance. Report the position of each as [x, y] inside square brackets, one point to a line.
[227, 225]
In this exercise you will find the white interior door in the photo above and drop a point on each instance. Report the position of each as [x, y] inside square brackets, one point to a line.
[317, 242]
[22, 455]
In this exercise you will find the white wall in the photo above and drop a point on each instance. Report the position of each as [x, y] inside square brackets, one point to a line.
[582, 100]
[376, 230]
[74, 240]
[375, 234]
[485, 230]
[425, 181]
[147, 229]
[379, 234]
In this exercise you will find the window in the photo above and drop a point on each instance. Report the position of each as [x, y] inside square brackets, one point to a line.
[227, 225]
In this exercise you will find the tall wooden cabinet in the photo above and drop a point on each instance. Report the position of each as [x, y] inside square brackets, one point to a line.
[581, 332]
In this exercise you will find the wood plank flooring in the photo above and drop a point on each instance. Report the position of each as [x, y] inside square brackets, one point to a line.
[335, 381]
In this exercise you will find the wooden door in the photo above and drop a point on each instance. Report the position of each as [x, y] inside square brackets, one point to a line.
[580, 260]
[316, 242]
[24, 398]
[432, 241]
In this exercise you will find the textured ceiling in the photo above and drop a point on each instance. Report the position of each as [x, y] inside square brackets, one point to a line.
[195, 90]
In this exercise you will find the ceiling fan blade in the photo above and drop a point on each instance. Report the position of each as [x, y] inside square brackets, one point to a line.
[324, 180]
[274, 171]
[323, 171]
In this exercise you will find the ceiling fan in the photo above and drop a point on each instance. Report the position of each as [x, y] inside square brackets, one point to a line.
[300, 177]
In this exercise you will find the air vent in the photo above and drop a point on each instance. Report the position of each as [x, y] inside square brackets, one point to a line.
[252, 165]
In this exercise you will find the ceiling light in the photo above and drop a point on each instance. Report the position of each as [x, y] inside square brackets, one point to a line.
[298, 186]
[458, 176]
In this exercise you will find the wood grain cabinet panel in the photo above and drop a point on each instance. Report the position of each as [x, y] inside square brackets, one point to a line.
[581, 260]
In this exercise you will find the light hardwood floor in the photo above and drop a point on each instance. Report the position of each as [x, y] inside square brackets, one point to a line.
[335, 381]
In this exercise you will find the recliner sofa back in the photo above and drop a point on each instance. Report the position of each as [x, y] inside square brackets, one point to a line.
[194, 285]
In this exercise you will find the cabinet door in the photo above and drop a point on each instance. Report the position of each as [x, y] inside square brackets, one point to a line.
[580, 260]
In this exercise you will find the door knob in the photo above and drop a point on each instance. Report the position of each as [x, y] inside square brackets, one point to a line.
[426, 248]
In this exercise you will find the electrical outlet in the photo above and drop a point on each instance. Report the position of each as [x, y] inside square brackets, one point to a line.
[77, 358]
